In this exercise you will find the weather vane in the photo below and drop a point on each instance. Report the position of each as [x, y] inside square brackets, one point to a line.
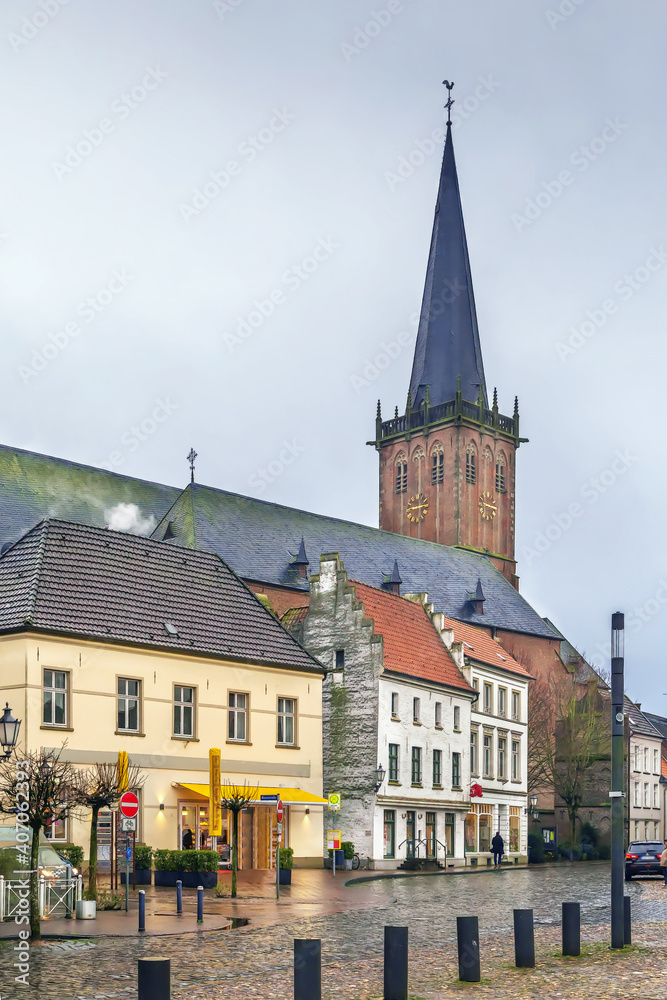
[450, 100]
[191, 459]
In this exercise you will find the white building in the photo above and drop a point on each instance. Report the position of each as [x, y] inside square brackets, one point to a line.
[645, 799]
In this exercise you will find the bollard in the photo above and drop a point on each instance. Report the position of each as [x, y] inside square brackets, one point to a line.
[200, 904]
[179, 897]
[524, 939]
[627, 920]
[142, 910]
[154, 979]
[395, 963]
[467, 936]
[307, 969]
[571, 929]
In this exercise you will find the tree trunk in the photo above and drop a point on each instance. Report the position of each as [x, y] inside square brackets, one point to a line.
[92, 863]
[235, 849]
[573, 830]
[35, 928]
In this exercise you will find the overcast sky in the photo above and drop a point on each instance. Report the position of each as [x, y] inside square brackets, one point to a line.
[169, 168]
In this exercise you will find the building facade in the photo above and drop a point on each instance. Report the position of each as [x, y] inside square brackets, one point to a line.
[645, 795]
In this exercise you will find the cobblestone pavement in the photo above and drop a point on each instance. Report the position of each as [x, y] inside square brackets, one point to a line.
[256, 962]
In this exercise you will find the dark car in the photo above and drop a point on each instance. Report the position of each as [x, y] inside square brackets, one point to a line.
[643, 858]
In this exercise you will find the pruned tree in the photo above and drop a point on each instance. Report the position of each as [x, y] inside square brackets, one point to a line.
[236, 798]
[100, 787]
[35, 787]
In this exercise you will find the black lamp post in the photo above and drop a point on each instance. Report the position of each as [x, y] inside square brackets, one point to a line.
[379, 777]
[9, 730]
[617, 794]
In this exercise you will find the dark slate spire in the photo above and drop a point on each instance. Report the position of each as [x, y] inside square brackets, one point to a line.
[393, 582]
[448, 339]
[301, 560]
[478, 598]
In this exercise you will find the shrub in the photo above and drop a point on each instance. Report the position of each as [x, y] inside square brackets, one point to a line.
[109, 901]
[588, 834]
[535, 849]
[186, 861]
[286, 857]
[143, 857]
[348, 849]
[73, 853]
[604, 852]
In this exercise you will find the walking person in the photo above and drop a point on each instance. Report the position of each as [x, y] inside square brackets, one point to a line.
[498, 846]
[663, 864]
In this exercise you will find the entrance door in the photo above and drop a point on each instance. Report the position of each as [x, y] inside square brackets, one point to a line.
[430, 835]
[410, 835]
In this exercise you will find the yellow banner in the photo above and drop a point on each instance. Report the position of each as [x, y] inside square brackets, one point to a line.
[123, 771]
[215, 794]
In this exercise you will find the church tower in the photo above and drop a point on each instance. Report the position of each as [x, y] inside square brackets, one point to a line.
[447, 465]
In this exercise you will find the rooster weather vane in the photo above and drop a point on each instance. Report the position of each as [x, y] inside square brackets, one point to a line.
[450, 100]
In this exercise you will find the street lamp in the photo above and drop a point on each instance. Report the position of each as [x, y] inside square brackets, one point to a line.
[9, 730]
[616, 793]
[533, 807]
[379, 777]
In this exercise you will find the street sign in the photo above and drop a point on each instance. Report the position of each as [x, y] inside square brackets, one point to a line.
[268, 798]
[334, 838]
[128, 824]
[279, 811]
[334, 802]
[128, 804]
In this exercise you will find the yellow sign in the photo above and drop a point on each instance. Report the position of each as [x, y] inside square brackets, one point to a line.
[334, 838]
[215, 794]
[123, 771]
[334, 802]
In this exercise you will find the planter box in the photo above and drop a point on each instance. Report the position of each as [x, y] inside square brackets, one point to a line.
[143, 876]
[86, 909]
[190, 880]
[348, 864]
[285, 876]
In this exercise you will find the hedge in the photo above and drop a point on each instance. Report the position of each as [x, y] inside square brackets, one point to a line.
[186, 861]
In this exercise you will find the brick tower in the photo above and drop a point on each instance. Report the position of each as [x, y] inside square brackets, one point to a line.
[447, 466]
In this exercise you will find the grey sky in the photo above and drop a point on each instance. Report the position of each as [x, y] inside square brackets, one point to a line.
[332, 117]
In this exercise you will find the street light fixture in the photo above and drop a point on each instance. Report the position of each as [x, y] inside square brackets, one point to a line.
[533, 807]
[379, 777]
[9, 730]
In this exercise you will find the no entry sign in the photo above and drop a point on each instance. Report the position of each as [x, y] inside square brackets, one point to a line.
[280, 810]
[128, 804]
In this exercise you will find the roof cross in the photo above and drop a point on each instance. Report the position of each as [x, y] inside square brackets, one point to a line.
[450, 100]
[192, 455]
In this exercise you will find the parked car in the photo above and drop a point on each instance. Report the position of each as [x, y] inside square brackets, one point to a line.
[643, 858]
[51, 863]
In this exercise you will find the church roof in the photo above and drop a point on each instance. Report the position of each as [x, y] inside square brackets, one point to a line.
[448, 343]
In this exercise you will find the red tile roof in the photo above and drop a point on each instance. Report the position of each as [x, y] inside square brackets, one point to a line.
[411, 644]
[664, 768]
[481, 647]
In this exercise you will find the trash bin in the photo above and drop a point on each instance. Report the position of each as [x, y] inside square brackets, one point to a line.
[339, 855]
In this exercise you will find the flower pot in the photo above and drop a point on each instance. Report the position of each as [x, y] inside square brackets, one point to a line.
[86, 909]
[285, 876]
[143, 877]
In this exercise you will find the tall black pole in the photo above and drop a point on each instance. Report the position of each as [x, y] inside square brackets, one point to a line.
[617, 791]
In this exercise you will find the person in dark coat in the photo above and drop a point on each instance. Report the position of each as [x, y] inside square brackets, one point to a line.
[498, 846]
[188, 840]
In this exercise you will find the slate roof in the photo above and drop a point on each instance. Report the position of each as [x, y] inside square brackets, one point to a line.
[639, 723]
[479, 646]
[411, 644]
[95, 583]
[658, 721]
[260, 539]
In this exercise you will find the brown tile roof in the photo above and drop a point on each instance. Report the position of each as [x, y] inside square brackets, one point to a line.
[411, 644]
[294, 617]
[478, 645]
[664, 767]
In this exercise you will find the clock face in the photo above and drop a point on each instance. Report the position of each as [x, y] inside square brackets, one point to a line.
[487, 506]
[417, 508]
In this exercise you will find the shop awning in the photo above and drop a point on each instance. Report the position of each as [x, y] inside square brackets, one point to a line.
[290, 796]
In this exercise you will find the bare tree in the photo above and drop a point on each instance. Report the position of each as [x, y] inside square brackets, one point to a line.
[37, 788]
[236, 798]
[99, 787]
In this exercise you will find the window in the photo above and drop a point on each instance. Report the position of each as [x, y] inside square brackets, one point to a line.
[500, 475]
[516, 760]
[488, 698]
[474, 749]
[656, 762]
[516, 706]
[437, 768]
[286, 715]
[638, 765]
[502, 701]
[475, 683]
[56, 830]
[438, 714]
[437, 467]
[393, 762]
[656, 800]
[184, 698]
[340, 659]
[471, 470]
[457, 719]
[456, 770]
[401, 475]
[488, 771]
[394, 705]
[415, 709]
[636, 837]
[646, 758]
[646, 794]
[54, 697]
[237, 717]
[502, 756]
[389, 833]
[636, 798]
[416, 765]
[128, 704]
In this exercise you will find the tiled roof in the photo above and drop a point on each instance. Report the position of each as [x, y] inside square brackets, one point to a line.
[91, 582]
[663, 761]
[478, 645]
[294, 617]
[411, 644]
[659, 721]
[639, 723]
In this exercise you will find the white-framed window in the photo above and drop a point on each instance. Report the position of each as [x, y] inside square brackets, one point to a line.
[516, 760]
[57, 830]
[437, 768]
[474, 752]
[487, 756]
[656, 761]
[55, 691]
[488, 698]
[475, 683]
[456, 770]
[638, 765]
[416, 765]
[394, 704]
[646, 759]
[656, 797]
[286, 721]
[184, 714]
[646, 794]
[237, 717]
[416, 709]
[129, 697]
[516, 706]
[438, 714]
[502, 756]
[393, 762]
[457, 719]
[502, 702]
[636, 836]
[636, 794]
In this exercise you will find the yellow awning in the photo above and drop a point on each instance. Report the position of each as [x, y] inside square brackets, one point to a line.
[290, 796]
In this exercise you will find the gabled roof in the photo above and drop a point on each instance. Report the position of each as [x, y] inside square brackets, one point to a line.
[447, 338]
[479, 646]
[659, 721]
[639, 723]
[77, 580]
[411, 644]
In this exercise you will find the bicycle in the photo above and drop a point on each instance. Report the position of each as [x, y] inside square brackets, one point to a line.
[356, 862]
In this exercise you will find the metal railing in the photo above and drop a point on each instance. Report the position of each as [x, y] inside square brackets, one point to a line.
[56, 896]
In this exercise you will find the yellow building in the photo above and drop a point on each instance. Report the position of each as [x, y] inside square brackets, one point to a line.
[112, 642]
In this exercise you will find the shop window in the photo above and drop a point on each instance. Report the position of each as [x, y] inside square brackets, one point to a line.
[470, 832]
[389, 833]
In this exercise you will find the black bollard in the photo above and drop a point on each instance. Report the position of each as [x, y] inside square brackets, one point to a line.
[467, 935]
[524, 939]
[142, 910]
[179, 897]
[571, 929]
[395, 963]
[200, 904]
[154, 979]
[627, 920]
[307, 969]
